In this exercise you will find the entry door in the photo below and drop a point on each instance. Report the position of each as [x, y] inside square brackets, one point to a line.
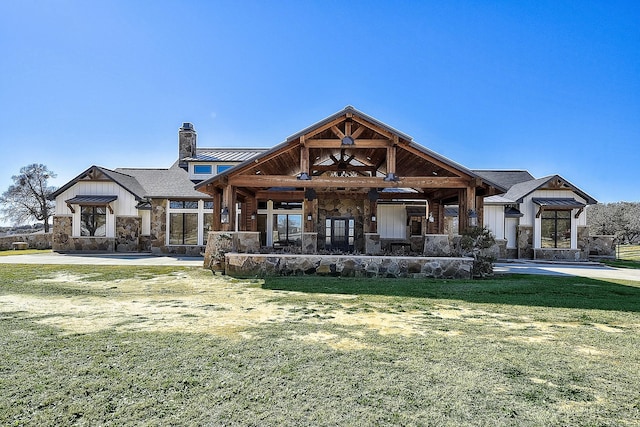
[340, 233]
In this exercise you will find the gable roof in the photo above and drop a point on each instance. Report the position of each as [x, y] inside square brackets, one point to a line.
[417, 158]
[163, 183]
[505, 178]
[519, 191]
[127, 182]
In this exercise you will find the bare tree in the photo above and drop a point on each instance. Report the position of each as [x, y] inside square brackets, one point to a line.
[28, 197]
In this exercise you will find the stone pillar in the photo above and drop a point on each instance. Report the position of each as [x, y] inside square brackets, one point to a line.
[372, 244]
[525, 242]
[218, 244]
[62, 231]
[309, 243]
[158, 226]
[583, 242]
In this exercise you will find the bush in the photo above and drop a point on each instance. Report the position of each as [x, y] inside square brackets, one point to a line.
[479, 243]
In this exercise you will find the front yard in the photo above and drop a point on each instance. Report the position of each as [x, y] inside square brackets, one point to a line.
[91, 345]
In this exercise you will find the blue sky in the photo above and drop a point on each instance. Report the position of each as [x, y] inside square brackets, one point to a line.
[547, 86]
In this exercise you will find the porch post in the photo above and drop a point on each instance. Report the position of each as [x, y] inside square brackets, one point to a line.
[217, 206]
[230, 204]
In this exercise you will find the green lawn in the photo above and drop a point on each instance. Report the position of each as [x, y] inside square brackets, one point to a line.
[24, 252]
[88, 345]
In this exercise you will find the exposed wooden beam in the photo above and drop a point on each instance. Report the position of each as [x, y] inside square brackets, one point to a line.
[378, 129]
[358, 143]
[265, 181]
[326, 126]
[337, 132]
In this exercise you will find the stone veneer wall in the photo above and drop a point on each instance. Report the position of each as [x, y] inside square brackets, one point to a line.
[344, 208]
[34, 241]
[553, 254]
[583, 241]
[157, 238]
[128, 230]
[262, 265]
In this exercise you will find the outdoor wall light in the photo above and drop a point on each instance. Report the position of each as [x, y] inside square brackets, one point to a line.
[373, 218]
[224, 215]
[473, 217]
[253, 216]
[309, 217]
[431, 218]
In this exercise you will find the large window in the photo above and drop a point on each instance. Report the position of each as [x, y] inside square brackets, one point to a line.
[183, 229]
[287, 230]
[556, 229]
[93, 221]
[189, 222]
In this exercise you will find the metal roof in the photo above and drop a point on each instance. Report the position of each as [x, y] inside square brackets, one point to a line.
[91, 200]
[558, 203]
[225, 154]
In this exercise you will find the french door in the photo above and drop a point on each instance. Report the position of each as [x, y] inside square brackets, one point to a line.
[339, 234]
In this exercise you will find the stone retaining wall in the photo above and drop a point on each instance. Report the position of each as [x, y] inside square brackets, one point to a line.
[33, 241]
[265, 265]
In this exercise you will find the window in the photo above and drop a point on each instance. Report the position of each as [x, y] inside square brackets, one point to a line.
[287, 230]
[202, 169]
[222, 168]
[189, 222]
[93, 221]
[183, 229]
[556, 229]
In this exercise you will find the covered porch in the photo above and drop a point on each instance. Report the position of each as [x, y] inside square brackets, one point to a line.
[347, 184]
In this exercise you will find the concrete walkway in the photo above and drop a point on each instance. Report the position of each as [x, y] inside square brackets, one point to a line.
[586, 269]
[102, 259]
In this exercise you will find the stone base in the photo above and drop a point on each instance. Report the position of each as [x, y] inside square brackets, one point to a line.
[261, 265]
[558, 254]
[309, 243]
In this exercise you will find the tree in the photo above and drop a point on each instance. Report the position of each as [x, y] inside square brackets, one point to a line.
[28, 197]
[621, 219]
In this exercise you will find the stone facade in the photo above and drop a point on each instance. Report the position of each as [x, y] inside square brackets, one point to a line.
[62, 232]
[525, 242]
[261, 265]
[334, 207]
[158, 226]
[33, 241]
[128, 230]
[437, 245]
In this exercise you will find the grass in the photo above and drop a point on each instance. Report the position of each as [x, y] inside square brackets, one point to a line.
[103, 345]
[628, 257]
[24, 252]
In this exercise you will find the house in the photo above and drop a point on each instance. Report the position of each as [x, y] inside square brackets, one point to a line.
[348, 183]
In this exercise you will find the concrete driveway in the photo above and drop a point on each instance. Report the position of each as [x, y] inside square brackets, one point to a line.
[102, 259]
[586, 269]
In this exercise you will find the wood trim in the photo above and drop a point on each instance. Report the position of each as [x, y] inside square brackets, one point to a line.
[358, 143]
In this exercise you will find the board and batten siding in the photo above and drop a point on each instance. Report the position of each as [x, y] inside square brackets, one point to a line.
[392, 221]
[494, 220]
[125, 205]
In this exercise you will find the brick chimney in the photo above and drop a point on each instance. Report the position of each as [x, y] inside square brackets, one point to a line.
[186, 143]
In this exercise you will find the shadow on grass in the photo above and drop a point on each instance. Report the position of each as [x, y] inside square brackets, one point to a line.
[515, 289]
